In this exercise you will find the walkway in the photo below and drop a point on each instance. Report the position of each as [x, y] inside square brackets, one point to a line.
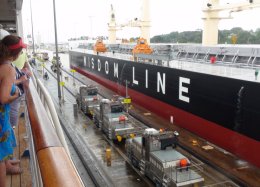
[25, 179]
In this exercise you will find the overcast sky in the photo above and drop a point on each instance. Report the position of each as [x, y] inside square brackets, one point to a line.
[85, 17]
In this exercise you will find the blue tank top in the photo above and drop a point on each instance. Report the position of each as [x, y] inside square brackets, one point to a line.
[13, 89]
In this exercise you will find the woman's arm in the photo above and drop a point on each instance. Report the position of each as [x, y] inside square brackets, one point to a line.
[8, 78]
[21, 79]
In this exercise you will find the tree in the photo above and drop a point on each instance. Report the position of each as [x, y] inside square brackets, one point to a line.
[243, 36]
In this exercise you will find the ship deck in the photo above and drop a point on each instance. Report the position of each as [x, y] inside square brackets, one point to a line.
[218, 69]
[25, 178]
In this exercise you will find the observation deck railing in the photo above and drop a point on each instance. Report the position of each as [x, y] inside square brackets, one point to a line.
[51, 164]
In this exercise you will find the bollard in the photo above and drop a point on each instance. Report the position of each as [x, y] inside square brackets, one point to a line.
[73, 71]
[108, 157]
[119, 138]
[194, 142]
[85, 127]
[75, 109]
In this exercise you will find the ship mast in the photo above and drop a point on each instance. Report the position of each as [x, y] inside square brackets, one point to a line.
[112, 27]
[144, 23]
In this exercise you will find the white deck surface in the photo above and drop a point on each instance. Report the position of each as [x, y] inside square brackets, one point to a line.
[215, 69]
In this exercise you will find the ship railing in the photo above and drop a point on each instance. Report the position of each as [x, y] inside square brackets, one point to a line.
[50, 110]
[224, 183]
[241, 57]
[50, 162]
[129, 131]
[189, 174]
[206, 56]
[249, 60]
[253, 62]
[225, 60]
[234, 59]
[34, 165]
[222, 60]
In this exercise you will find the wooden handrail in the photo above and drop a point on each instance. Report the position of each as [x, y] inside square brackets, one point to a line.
[56, 168]
[43, 133]
[55, 165]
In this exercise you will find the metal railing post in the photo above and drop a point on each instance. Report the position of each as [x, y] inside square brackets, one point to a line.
[57, 55]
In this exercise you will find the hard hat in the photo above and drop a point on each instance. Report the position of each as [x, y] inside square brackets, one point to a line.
[3, 33]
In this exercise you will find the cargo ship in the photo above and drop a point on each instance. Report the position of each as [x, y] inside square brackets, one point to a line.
[221, 106]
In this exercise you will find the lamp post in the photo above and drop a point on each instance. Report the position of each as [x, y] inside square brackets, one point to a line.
[126, 94]
[57, 56]
[32, 28]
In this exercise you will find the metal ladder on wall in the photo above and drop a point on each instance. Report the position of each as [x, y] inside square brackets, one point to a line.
[251, 60]
[142, 166]
[235, 57]
[206, 56]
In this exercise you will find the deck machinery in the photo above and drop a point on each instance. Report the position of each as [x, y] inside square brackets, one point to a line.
[87, 98]
[155, 155]
[111, 118]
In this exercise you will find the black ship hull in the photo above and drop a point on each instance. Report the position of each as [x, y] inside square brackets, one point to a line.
[222, 110]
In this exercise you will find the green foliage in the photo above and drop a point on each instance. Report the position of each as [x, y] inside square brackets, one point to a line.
[224, 36]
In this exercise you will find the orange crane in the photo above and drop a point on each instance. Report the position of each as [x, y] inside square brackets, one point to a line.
[142, 47]
[211, 17]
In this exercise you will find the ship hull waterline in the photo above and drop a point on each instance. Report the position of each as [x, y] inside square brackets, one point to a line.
[238, 144]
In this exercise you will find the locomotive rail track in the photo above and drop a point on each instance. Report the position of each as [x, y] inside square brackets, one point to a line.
[97, 141]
